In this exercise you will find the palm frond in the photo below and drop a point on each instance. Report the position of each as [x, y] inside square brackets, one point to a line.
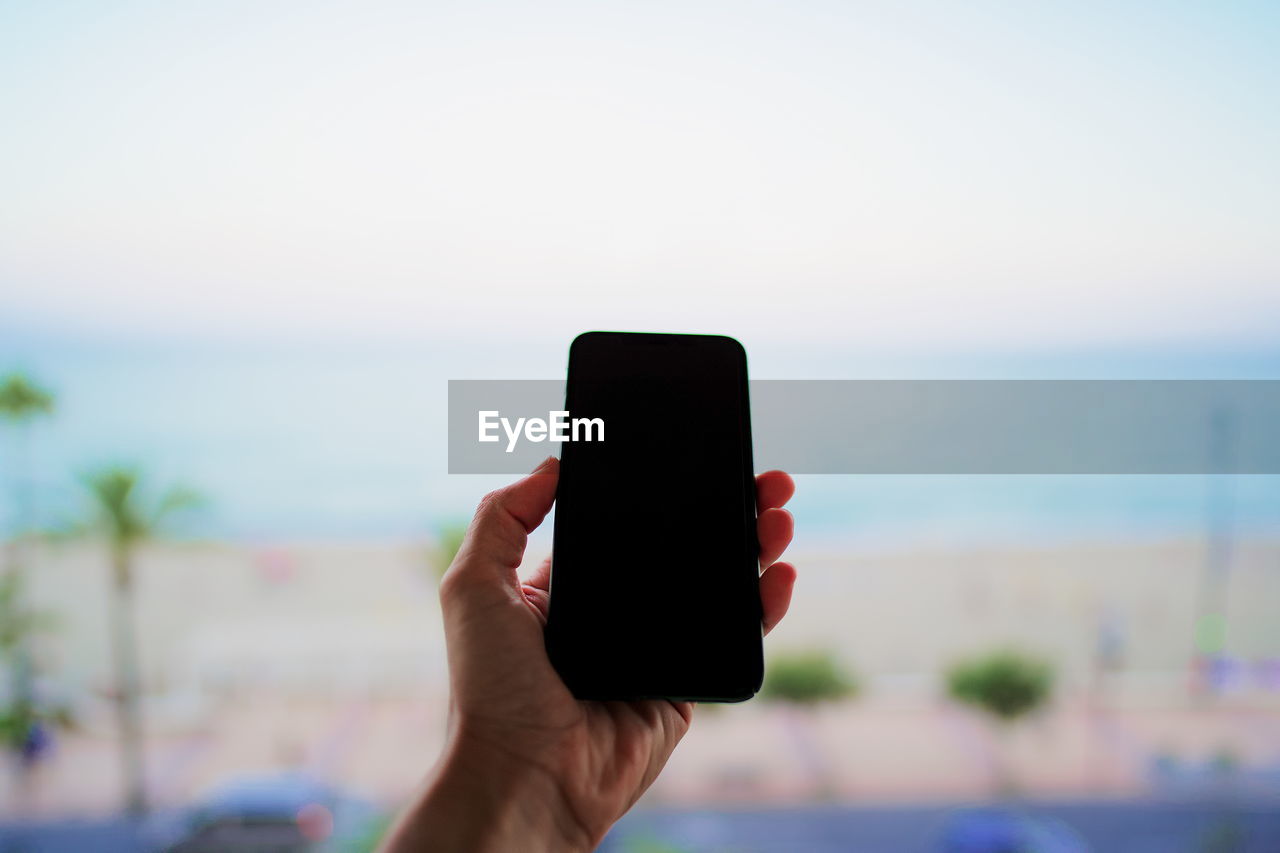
[21, 399]
[114, 492]
[179, 499]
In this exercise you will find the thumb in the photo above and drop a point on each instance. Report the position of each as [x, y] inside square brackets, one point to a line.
[495, 540]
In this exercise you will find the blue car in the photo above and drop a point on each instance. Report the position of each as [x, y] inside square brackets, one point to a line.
[994, 830]
[284, 813]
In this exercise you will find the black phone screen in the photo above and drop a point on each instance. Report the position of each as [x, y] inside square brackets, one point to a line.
[655, 573]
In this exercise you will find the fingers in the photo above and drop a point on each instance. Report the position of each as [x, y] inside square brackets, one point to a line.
[773, 490]
[774, 528]
[494, 544]
[775, 593]
[537, 598]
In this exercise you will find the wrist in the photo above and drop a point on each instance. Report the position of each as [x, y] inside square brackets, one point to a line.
[480, 798]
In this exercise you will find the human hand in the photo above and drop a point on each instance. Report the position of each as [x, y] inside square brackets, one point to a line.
[526, 766]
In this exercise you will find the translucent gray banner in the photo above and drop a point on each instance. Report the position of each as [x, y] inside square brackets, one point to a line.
[932, 427]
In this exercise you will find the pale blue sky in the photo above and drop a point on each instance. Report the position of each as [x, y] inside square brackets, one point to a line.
[896, 173]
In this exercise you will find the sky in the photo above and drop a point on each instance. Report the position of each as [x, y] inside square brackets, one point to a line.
[899, 174]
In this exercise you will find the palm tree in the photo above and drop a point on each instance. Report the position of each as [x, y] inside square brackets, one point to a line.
[126, 519]
[21, 402]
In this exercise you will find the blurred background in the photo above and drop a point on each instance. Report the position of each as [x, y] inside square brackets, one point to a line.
[243, 246]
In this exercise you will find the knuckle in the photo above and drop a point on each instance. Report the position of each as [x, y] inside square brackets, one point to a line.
[451, 585]
[489, 504]
[496, 529]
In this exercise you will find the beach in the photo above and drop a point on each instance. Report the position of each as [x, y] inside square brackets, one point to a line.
[329, 657]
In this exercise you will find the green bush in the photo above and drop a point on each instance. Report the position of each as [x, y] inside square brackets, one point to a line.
[807, 678]
[1006, 684]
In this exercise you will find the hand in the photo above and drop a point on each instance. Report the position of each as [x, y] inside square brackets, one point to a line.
[526, 766]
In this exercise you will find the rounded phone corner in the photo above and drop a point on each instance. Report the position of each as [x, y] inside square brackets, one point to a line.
[733, 698]
[733, 342]
[746, 692]
[733, 345]
[584, 339]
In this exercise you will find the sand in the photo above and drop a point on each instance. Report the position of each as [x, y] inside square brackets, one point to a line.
[330, 657]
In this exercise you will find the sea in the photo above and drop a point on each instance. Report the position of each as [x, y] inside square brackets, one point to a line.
[344, 440]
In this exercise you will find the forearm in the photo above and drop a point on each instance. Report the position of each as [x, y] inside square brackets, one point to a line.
[475, 802]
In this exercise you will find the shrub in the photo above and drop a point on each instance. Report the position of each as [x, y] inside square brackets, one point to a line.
[1006, 684]
[807, 678]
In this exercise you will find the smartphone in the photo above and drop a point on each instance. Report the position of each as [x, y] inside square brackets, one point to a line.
[655, 563]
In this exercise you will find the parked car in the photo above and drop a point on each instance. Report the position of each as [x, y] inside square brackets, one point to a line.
[282, 813]
[993, 830]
